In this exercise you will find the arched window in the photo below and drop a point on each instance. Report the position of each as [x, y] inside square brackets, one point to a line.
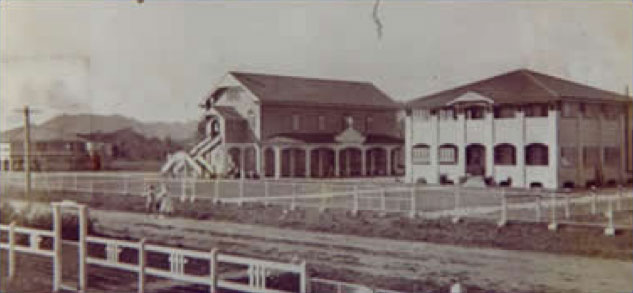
[505, 154]
[447, 154]
[420, 154]
[536, 154]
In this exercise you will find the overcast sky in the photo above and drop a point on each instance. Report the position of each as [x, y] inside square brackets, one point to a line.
[155, 61]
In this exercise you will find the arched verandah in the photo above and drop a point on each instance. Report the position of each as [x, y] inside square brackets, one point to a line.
[350, 162]
[322, 162]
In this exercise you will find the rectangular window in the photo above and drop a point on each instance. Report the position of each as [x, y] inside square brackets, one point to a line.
[591, 111]
[448, 155]
[295, 122]
[612, 156]
[422, 114]
[505, 112]
[568, 157]
[591, 156]
[421, 155]
[475, 113]
[447, 114]
[569, 110]
[610, 112]
[536, 110]
[368, 123]
[321, 122]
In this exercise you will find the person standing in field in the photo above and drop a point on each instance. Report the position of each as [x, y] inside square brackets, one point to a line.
[150, 199]
[165, 202]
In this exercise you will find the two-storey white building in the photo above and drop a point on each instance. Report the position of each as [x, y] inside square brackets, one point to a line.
[520, 129]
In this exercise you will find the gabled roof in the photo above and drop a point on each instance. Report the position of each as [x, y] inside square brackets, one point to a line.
[521, 87]
[301, 90]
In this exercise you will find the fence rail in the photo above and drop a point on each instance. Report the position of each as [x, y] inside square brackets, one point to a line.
[213, 269]
[499, 204]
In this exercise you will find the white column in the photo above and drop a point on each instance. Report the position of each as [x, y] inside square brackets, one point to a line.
[408, 144]
[489, 142]
[258, 160]
[520, 152]
[388, 162]
[337, 170]
[580, 162]
[277, 162]
[308, 162]
[372, 162]
[434, 178]
[623, 145]
[553, 149]
[242, 162]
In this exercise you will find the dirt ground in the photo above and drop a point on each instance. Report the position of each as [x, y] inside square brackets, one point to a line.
[393, 252]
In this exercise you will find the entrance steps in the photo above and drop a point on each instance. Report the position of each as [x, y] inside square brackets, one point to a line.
[178, 162]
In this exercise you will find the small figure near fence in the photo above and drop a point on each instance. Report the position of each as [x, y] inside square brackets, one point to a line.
[150, 199]
[166, 204]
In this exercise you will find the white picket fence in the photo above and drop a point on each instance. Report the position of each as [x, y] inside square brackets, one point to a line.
[223, 271]
[498, 204]
[255, 271]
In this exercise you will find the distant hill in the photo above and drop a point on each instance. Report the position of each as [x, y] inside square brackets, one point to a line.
[92, 123]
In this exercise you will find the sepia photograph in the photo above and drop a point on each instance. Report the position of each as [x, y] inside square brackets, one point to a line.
[316, 146]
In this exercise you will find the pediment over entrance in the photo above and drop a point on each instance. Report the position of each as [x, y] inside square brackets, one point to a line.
[470, 97]
[350, 135]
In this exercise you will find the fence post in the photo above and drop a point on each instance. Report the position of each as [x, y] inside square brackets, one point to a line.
[457, 197]
[553, 226]
[293, 200]
[11, 250]
[504, 209]
[213, 270]
[538, 207]
[83, 248]
[567, 204]
[383, 202]
[57, 245]
[323, 198]
[610, 229]
[304, 278]
[92, 187]
[126, 186]
[216, 191]
[194, 182]
[266, 192]
[241, 187]
[594, 200]
[413, 212]
[355, 201]
[619, 203]
[141, 266]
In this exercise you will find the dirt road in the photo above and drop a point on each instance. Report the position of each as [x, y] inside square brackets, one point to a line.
[383, 262]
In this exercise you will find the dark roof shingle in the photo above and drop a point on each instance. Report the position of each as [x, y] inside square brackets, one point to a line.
[291, 89]
[519, 87]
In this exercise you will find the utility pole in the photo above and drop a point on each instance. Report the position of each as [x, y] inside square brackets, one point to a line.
[27, 151]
